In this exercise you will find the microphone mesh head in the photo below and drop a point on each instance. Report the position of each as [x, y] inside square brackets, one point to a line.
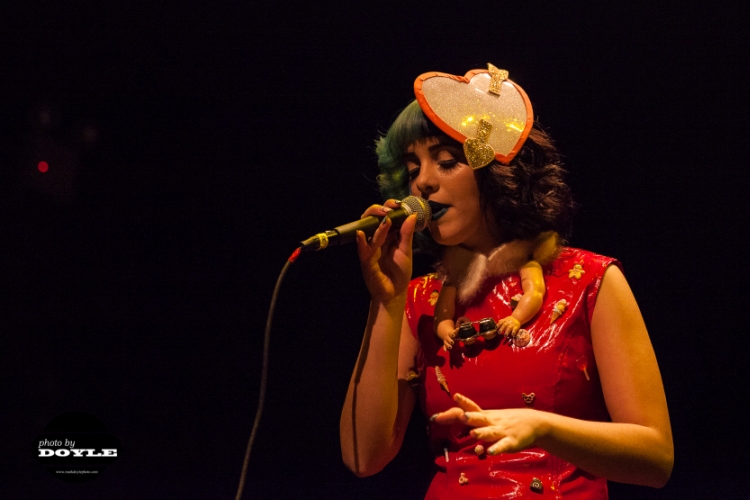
[419, 206]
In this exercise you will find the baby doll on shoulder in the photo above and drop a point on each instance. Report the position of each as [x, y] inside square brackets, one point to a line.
[543, 250]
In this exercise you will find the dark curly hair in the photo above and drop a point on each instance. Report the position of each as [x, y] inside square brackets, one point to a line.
[525, 198]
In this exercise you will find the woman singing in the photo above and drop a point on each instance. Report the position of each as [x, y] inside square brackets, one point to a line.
[568, 398]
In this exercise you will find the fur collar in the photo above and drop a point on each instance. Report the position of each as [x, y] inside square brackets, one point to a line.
[467, 270]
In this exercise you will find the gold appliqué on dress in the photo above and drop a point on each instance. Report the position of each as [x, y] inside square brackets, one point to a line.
[559, 309]
[576, 272]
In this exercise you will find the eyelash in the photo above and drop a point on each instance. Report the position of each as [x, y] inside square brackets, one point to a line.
[448, 164]
[444, 165]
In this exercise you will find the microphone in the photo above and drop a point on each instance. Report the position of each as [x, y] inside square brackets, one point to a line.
[348, 232]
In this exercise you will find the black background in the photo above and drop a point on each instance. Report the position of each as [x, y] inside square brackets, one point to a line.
[192, 145]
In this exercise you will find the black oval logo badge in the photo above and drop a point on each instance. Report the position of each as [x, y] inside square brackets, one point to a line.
[76, 447]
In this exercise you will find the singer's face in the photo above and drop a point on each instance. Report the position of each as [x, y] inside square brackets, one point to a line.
[438, 172]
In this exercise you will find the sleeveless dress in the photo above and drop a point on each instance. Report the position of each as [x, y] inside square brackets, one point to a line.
[555, 372]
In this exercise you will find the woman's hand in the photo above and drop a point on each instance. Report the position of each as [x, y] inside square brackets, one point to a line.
[386, 259]
[510, 430]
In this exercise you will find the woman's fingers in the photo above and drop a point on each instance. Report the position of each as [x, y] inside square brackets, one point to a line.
[475, 419]
[375, 242]
[376, 210]
[363, 248]
[391, 203]
[380, 210]
[381, 233]
[407, 233]
[489, 433]
[385, 256]
[465, 403]
[459, 413]
[470, 418]
[448, 417]
[511, 430]
[506, 444]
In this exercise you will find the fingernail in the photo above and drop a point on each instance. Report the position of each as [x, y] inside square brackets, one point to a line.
[387, 209]
[434, 417]
[493, 451]
[397, 202]
[465, 416]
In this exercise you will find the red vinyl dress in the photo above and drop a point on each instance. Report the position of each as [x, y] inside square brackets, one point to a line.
[554, 372]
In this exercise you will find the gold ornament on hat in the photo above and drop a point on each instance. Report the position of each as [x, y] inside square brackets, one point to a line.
[498, 77]
[478, 153]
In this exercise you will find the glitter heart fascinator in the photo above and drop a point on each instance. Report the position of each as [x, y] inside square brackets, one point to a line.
[484, 110]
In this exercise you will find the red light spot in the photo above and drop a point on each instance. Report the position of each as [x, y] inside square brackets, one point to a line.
[43, 166]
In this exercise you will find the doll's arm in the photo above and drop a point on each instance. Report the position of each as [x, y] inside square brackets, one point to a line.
[445, 309]
[532, 283]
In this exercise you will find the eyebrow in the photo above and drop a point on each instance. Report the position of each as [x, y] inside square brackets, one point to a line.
[450, 145]
[443, 143]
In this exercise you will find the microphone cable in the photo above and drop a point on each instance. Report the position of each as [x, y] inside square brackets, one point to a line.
[411, 205]
[264, 370]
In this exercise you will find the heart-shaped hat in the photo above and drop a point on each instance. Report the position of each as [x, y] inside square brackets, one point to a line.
[489, 114]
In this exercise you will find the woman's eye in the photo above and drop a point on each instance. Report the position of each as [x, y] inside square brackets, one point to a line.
[447, 164]
[413, 173]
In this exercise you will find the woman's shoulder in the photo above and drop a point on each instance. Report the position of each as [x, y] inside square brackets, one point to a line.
[579, 261]
[578, 274]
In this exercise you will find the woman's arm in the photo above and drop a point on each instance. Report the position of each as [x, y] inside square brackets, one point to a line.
[640, 443]
[379, 400]
[636, 447]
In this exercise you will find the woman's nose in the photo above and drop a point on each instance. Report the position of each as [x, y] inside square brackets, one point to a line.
[426, 182]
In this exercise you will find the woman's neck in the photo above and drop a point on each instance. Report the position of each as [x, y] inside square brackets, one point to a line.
[484, 245]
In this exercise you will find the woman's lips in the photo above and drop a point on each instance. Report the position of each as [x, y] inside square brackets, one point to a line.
[438, 209]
